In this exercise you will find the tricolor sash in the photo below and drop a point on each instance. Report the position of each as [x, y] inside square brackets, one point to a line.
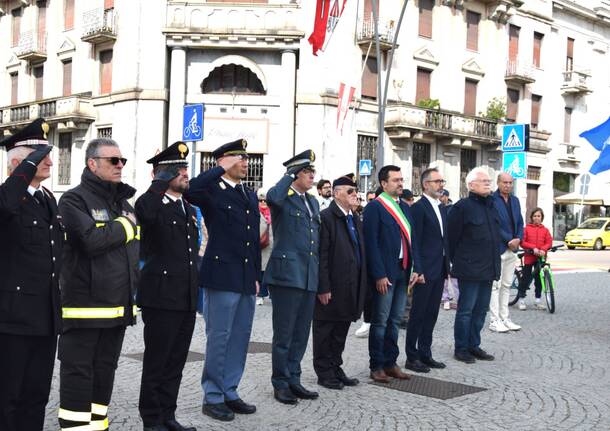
[395, 211]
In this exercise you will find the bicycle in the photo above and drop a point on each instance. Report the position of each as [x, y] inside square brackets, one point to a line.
[543, 268]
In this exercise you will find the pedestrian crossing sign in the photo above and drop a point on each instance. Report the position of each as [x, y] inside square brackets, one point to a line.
[365, 167]
[515, 137]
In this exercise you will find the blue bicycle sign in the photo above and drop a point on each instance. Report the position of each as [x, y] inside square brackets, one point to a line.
[192, 123]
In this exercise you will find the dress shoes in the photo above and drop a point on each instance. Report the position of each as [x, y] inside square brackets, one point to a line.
[431, 363]
[380, 376]
[241, 407]
[331, 383]
[303, 393]
[481, 354]
[218, 411]
[156, 428]
[465, 357]
[397, 373]
[173, 425]
[417, 366]
[285, 396]
[347, 381]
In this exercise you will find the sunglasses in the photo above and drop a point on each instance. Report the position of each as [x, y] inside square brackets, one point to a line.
[262, 200]
[114, 160]
[350, 191]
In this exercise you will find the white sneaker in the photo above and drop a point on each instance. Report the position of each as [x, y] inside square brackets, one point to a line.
[540, 305]
[363, 331]
[497, 326]
[522, 305]
[447, 305]
[260, 300]
[510, 325]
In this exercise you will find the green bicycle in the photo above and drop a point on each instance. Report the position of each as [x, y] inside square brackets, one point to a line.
[543, 269]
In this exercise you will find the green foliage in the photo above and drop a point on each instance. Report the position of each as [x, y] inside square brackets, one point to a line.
[429, 104]
[496, 109]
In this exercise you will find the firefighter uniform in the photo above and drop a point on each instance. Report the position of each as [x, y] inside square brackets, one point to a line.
[30, 260]
[98, 281]
[168, 288]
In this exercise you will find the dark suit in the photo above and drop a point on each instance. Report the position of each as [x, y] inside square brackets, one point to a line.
[433, 247]
[343, 274]
[292, 277]
[30, 319]
[167, 294]
[229, 272]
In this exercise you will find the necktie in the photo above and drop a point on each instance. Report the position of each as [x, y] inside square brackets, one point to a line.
[405, 251]
[242, 192]
[304, 199]
[352, 231]
[41, 200]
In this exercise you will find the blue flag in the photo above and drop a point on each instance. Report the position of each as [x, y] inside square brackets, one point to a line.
[599, 137]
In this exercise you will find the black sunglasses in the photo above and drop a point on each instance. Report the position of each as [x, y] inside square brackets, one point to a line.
[350, 191]
[114, 160]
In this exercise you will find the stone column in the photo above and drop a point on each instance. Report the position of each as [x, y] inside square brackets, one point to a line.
[177, 93]
[287, 99]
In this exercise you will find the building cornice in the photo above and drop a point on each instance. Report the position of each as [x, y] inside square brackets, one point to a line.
[130, 94]
[599, 15]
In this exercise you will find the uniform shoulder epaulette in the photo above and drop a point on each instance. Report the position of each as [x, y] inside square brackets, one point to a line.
[290, 192]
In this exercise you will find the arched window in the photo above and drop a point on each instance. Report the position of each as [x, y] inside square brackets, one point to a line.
[232, 78]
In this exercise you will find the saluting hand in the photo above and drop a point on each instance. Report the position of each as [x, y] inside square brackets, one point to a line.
[227, 162]
[382, 285]
[324, 298]
[36, 156]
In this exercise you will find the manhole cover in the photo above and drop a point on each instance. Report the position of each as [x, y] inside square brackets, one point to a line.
[253, 347]
[429, 387]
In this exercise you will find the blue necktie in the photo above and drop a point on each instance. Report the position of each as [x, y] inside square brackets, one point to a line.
[352, 231]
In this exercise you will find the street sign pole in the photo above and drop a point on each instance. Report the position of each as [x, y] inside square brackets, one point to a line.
[585, 179]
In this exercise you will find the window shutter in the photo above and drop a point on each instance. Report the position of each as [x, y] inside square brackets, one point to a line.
[567, 125]
[16, 25]
[42, 20]
[105, 72]
[369, 79]
[423, 84]
[425, 17]
[14, 88]
[108, 4]
[472, 30]
[536, 102]
[38, 73]
[368, 11]
[570, 54]
[67, 77]
[68, 14]
[513, 43]
[470, 97]
[512, 108]
[537, 48]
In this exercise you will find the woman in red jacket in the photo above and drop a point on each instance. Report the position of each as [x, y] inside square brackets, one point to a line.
[538, 240]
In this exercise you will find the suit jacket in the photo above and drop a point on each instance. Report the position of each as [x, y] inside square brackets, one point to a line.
[506, 233]
[383, 241]
[340, 273]
[30, 259]
[432, 245]
[170, 237]
[296, 235]
[232, 259]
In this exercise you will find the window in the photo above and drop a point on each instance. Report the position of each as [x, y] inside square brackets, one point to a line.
[512, 104]
[16, 13]
[513, 43]
[472, 30]
[38, 72]
[369, 79]
[104, 132]
[367, 150]
[423, 84]
[108, 4]
[65, 159]
[68, 14]
[425, 18]
[105, 72]
[232, 78]
[537, 48]
[14, 88]
[470, 97]
[368, 10]
[570, 55]
[468, 161]
[533, 173]
[567, 125]
[42, 19]
[253, 180]
[67, 77]
[536, 103]
[421, 161]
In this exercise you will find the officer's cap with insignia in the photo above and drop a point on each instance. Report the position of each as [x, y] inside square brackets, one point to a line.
[306, 158]
[345, 180]
[33, 135]
[175, 154]
[235, 148]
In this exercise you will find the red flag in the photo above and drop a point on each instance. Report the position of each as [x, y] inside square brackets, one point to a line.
[319, 26]
[343, 105]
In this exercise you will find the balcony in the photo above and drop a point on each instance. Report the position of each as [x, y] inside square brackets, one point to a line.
[365, 36]
[519, 73]
[576, 83]
[566, 154]
[69, 113]
[404, 120]
[32, 46]
[99, 26]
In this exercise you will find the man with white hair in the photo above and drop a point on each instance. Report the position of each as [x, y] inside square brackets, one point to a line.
[474, 250]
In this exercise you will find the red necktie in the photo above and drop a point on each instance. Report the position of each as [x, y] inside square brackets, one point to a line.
[405, 251]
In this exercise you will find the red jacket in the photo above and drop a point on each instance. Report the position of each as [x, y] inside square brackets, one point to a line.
[535, 236]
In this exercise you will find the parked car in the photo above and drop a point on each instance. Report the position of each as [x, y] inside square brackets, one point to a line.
[593, 233]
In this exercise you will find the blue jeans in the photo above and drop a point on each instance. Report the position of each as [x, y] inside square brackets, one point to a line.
[386, 312]
[472, 308]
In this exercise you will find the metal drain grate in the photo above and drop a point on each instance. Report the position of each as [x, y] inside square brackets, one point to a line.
[253, 347]
[429, 387]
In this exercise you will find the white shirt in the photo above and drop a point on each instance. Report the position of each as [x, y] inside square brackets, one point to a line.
[437, 210]
[306, 201]
[343, 211]
[229, 182]
[32, 190]
[324, 202]
[174, 199]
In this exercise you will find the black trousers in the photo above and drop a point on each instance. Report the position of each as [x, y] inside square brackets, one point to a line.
[328, 345]
[424, 312]
[167, 337]
[26, 369]
[89, 359]
[530, 271]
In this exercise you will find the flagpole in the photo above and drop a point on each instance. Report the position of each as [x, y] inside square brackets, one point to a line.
[379, 94]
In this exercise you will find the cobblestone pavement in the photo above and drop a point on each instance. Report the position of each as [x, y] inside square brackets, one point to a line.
[552, 375]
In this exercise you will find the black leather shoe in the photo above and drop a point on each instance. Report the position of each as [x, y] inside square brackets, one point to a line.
[331, 383]
[239, 406]
[285, 396]
[218, 411]
[156, 428]
[173, 425]
[464, 357]
[303, 393]
[431, 363]
[416, 366]
[481, 354]
[347, 381]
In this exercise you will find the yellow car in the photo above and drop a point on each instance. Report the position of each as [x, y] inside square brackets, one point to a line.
[594, 233]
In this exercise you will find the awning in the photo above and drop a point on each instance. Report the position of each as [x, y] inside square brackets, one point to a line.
[576, 198]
